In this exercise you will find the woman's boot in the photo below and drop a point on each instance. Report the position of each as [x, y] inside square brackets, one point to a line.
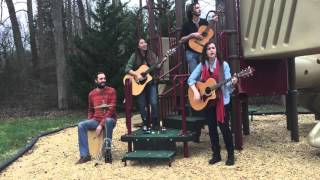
[230, 158]
[216, 157]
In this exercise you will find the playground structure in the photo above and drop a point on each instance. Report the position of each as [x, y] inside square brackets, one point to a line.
[267, 35]
[308, 73]
[279, 29]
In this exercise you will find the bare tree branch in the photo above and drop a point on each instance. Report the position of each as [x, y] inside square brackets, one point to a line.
[16, 31]
[2, 22]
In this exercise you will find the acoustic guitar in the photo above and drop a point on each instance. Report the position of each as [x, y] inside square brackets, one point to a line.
[206, 31]
[207, 89]
[144, 70]
[197, 45]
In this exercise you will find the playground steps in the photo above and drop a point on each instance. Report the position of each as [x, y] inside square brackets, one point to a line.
[154, 145]
[194, 124]
[141, 155]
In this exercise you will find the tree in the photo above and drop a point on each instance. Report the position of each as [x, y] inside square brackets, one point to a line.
[16, 31]
[33, 45]
[88, 4]
[82, 16]
[60, 54]
[105, 47]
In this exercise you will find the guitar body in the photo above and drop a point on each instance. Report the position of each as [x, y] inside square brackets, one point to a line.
[206, 94]
[137, 88]
[197, 45]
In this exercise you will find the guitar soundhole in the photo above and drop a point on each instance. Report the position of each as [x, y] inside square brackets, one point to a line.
[208, 90]
[143, 81]
[204, 34]
[143, 74]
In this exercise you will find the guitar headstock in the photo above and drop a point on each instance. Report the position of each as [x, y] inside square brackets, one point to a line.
[247, 72]
[171, 51]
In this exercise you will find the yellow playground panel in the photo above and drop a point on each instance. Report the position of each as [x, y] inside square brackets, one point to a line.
[275, 28]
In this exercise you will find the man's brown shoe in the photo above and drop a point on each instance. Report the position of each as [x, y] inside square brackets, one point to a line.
[84, 159]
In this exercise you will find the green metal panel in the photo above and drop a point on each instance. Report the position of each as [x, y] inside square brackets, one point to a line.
[155, 145]
[193, 123]
[149, 155]
[274, 28]
[173, 135]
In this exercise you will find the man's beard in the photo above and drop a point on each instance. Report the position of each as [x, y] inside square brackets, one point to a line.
[101, 85]
[196, 14]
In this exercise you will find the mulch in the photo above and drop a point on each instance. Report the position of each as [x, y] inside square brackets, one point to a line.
[268, 153]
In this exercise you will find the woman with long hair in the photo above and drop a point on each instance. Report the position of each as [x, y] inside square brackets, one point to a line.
[141, 56]
[212, 66]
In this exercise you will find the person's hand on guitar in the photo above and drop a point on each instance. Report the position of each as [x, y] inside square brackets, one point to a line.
[197, 36]
[196, 94]
[215, 18]
[234, 80]
[138, 77]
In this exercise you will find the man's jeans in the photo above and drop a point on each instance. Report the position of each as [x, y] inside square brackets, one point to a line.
[86, 125]
[192, 59]
[151, 90]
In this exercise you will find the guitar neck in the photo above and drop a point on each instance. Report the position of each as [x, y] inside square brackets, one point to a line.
[220, 84]
[151, 68]
[244, 73]
[154, 66]
[165, 57]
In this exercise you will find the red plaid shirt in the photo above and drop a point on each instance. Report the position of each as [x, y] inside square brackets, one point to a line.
[96, 98]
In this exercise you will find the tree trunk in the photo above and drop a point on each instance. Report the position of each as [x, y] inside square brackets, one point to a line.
[88, 4]
[82, 16]
[74, 15]
[16, 31]
[40, 24]
[34, 52]
[69, 25]
[116, 3]
[60, 54]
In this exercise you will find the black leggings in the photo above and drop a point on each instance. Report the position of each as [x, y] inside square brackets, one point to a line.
[210, 113]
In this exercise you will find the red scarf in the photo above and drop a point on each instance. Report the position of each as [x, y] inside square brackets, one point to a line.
[219, 103]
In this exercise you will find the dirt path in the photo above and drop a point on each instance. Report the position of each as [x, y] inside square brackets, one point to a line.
[268, 153]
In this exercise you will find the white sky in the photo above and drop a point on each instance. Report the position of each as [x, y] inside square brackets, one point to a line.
[206, 5]
[21, 5]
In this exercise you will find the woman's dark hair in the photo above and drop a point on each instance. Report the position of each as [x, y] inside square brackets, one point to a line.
[204, 55]
[138, 52]
[190, 11]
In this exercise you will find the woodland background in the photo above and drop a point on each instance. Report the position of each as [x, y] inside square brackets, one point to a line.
[51, 64]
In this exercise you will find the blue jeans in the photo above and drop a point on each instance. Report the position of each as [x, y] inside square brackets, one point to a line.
[90, 124]
[192, 59]
[151, 91]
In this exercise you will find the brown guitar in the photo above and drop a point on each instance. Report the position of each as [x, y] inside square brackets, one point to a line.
[208, 88]
[197, 45]
[144, 70]
[206, 31]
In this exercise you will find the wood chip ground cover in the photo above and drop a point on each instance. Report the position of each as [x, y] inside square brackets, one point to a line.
[268, 152]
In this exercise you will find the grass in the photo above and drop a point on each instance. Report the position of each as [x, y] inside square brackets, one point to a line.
[16, 132]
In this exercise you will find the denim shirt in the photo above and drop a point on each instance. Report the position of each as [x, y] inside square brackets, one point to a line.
[227, 90]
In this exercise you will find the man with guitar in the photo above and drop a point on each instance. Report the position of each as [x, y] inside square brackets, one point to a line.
[190, 32]
[213, 67]
[143, 57]
[101, 115]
